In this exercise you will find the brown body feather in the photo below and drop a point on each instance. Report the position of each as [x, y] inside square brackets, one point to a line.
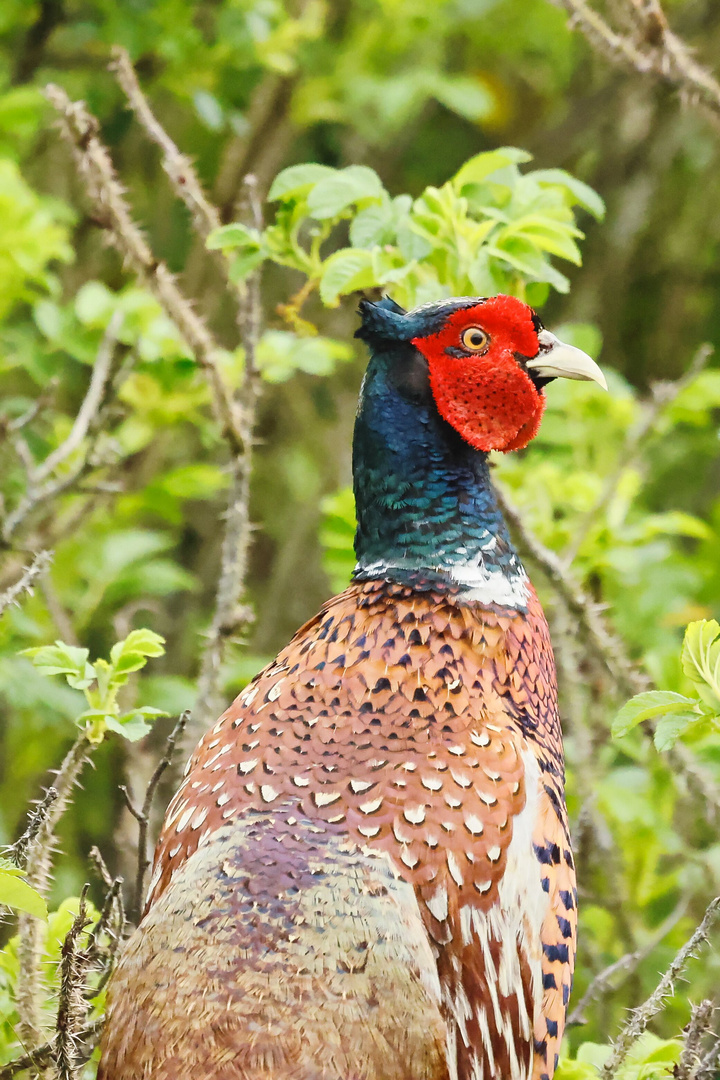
[366, 874]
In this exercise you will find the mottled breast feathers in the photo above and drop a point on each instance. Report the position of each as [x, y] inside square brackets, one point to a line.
[400, 762]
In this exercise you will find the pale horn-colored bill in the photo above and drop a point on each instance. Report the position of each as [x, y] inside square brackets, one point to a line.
[556, 360]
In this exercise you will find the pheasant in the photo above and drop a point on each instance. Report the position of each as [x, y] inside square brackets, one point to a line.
[366, 873]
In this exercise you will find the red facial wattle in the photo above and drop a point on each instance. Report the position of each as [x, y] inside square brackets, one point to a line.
[486, 396]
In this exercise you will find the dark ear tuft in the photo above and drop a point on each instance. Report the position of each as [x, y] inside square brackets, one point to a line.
[382, 319]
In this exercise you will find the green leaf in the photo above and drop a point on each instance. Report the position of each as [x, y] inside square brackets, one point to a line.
[372, 226]
[95, 303]
[701, 659]
[132, 730]
[233, 236]
[131, 654]
[464, 95]
[297, 180]
[345, 271]
[671, 727]
[647, 705]
[581, 194]
[334, 194]
[244, 264]
[481, 166]
[16, 893]
[62, 659]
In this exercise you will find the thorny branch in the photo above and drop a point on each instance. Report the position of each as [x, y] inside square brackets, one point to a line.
[178, 166]
[142, 814]
[640, 1018]
[604, 646]
[27, 580]
[106, 955]
[44, 1054]
[21, 848]
[235, 413]
[81, 129]
[229, 614]
[38, 868]
[700, 1024]
[708, 1068]
[72, 1006]
[649, 47]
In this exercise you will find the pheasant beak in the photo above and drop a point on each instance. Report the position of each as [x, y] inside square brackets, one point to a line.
[559, 361]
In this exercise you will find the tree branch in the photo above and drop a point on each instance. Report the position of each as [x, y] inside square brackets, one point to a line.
[72, 1006]
[605, 646]
[37, 870]
[650, 48]
[21, 848]
[142, 814]
[92, 401]
[44, 1054]
[230, 615]
[26, 582]
[178, 166]
[700, 1024]
[639, 1018]
[81, 128]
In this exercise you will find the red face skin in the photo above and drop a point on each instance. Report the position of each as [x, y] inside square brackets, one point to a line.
[486, 396]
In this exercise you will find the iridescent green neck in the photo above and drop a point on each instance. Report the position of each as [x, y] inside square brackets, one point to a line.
[427, 510]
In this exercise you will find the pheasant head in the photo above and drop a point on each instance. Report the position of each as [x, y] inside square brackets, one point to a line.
[488, 361]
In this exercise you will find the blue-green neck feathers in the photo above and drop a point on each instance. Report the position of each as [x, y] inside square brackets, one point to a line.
[427, 511]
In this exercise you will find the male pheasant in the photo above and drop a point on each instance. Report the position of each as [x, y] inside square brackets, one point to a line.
[366, 873]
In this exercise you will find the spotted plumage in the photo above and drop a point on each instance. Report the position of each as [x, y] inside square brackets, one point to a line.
[366, 873]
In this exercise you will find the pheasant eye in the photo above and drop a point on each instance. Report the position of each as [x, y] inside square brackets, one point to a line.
[474, 339]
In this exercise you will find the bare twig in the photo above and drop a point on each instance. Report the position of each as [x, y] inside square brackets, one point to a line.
[26, 582]
[38, 869]
[650, 47]
[639, 1018]
[142, 814]
[101, 867]
[81, 129]
[41, 485]
[36, 1059]
[107, 954]
[700, 1024]
[72, 1006]
[12, 427]
[91, 402]
[625, 965]
[605, 646]
[603, 980]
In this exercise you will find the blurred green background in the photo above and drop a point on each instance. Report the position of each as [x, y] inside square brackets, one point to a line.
[412, 89]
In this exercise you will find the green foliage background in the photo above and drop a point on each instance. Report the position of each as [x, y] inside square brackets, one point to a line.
[403, 93]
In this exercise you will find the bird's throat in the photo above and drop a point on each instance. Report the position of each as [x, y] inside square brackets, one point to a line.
[427, 511]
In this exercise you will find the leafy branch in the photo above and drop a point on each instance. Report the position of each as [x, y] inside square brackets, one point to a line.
[676, 714]
[101, 682]
[489, 229]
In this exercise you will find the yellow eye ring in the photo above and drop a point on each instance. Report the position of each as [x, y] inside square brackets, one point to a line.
[474, 339]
